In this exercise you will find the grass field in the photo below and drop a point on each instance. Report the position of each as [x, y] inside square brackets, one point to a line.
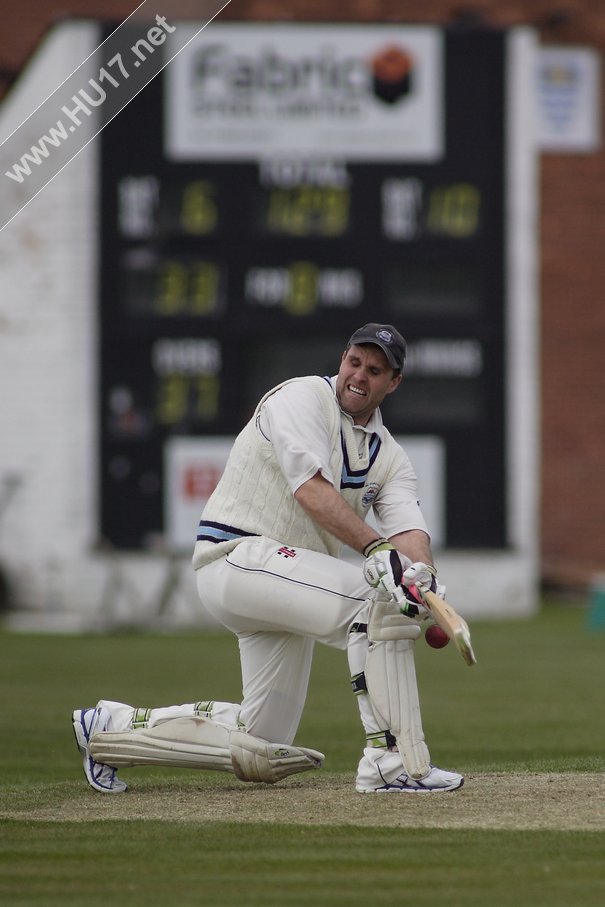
[526, 726]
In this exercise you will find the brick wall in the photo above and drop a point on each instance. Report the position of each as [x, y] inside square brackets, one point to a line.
[572, 259]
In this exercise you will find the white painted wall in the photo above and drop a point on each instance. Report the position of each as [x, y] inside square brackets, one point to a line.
[47, 341]
[48, 375]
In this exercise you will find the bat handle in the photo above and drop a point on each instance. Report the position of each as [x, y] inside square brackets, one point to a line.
[416, 592]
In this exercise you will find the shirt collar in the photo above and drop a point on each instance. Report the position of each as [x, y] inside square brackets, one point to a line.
[375, 423]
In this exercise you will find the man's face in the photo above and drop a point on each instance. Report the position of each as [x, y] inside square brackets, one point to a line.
[364, 379]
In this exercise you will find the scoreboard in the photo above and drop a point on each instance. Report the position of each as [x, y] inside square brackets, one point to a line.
[222, 274]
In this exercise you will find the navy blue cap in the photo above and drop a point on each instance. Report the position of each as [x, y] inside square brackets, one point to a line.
[387, 338]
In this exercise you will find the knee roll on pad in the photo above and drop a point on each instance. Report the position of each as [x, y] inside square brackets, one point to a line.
[257, 760]
[387, 622]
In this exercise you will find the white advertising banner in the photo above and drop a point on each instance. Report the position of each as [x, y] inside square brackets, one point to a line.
[568, 99]
[263, 90]
[192, 468]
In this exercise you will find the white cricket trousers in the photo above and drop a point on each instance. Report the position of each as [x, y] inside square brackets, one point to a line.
[279, 601]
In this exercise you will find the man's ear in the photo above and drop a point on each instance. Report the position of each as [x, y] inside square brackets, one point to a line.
[397, 379]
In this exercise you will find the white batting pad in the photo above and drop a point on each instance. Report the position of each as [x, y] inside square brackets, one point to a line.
[392, 688]
[201, 743]
[182, 742]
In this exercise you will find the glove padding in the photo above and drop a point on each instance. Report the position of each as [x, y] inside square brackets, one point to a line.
[383, 568]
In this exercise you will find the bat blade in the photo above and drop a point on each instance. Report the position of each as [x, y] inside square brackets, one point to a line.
[449, 620]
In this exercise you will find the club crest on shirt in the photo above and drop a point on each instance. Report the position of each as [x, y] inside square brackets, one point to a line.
[370, 493]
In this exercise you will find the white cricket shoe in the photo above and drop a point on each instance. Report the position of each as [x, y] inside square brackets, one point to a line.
[87, 723]
[436, 781]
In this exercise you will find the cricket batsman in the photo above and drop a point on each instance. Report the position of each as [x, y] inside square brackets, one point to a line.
[301, 478]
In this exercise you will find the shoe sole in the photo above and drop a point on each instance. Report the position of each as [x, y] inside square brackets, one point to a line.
[409, 790]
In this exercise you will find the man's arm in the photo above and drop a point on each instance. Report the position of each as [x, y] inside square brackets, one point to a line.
[320, 500]
[414, 544]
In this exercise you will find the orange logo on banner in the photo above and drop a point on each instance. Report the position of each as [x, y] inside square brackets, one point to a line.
[200, 481]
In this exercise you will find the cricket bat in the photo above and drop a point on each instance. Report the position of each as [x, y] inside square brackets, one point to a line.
[446, 617]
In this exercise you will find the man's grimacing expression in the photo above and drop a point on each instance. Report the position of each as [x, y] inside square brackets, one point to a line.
[364, 379]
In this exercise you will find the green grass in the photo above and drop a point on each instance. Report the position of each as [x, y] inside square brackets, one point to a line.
[154, 863]
[532, 703]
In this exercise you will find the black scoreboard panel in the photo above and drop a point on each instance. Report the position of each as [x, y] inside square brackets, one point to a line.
[220, 279]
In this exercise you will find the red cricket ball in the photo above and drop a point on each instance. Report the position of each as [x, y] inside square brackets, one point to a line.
[436, 637]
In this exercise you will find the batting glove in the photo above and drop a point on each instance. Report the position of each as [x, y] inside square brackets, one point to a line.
[383, 569]
[422, 576]
[413, 607]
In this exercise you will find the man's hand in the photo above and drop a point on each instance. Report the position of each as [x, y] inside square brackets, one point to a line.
[422, 576]
[383, 569]
[412, 606]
